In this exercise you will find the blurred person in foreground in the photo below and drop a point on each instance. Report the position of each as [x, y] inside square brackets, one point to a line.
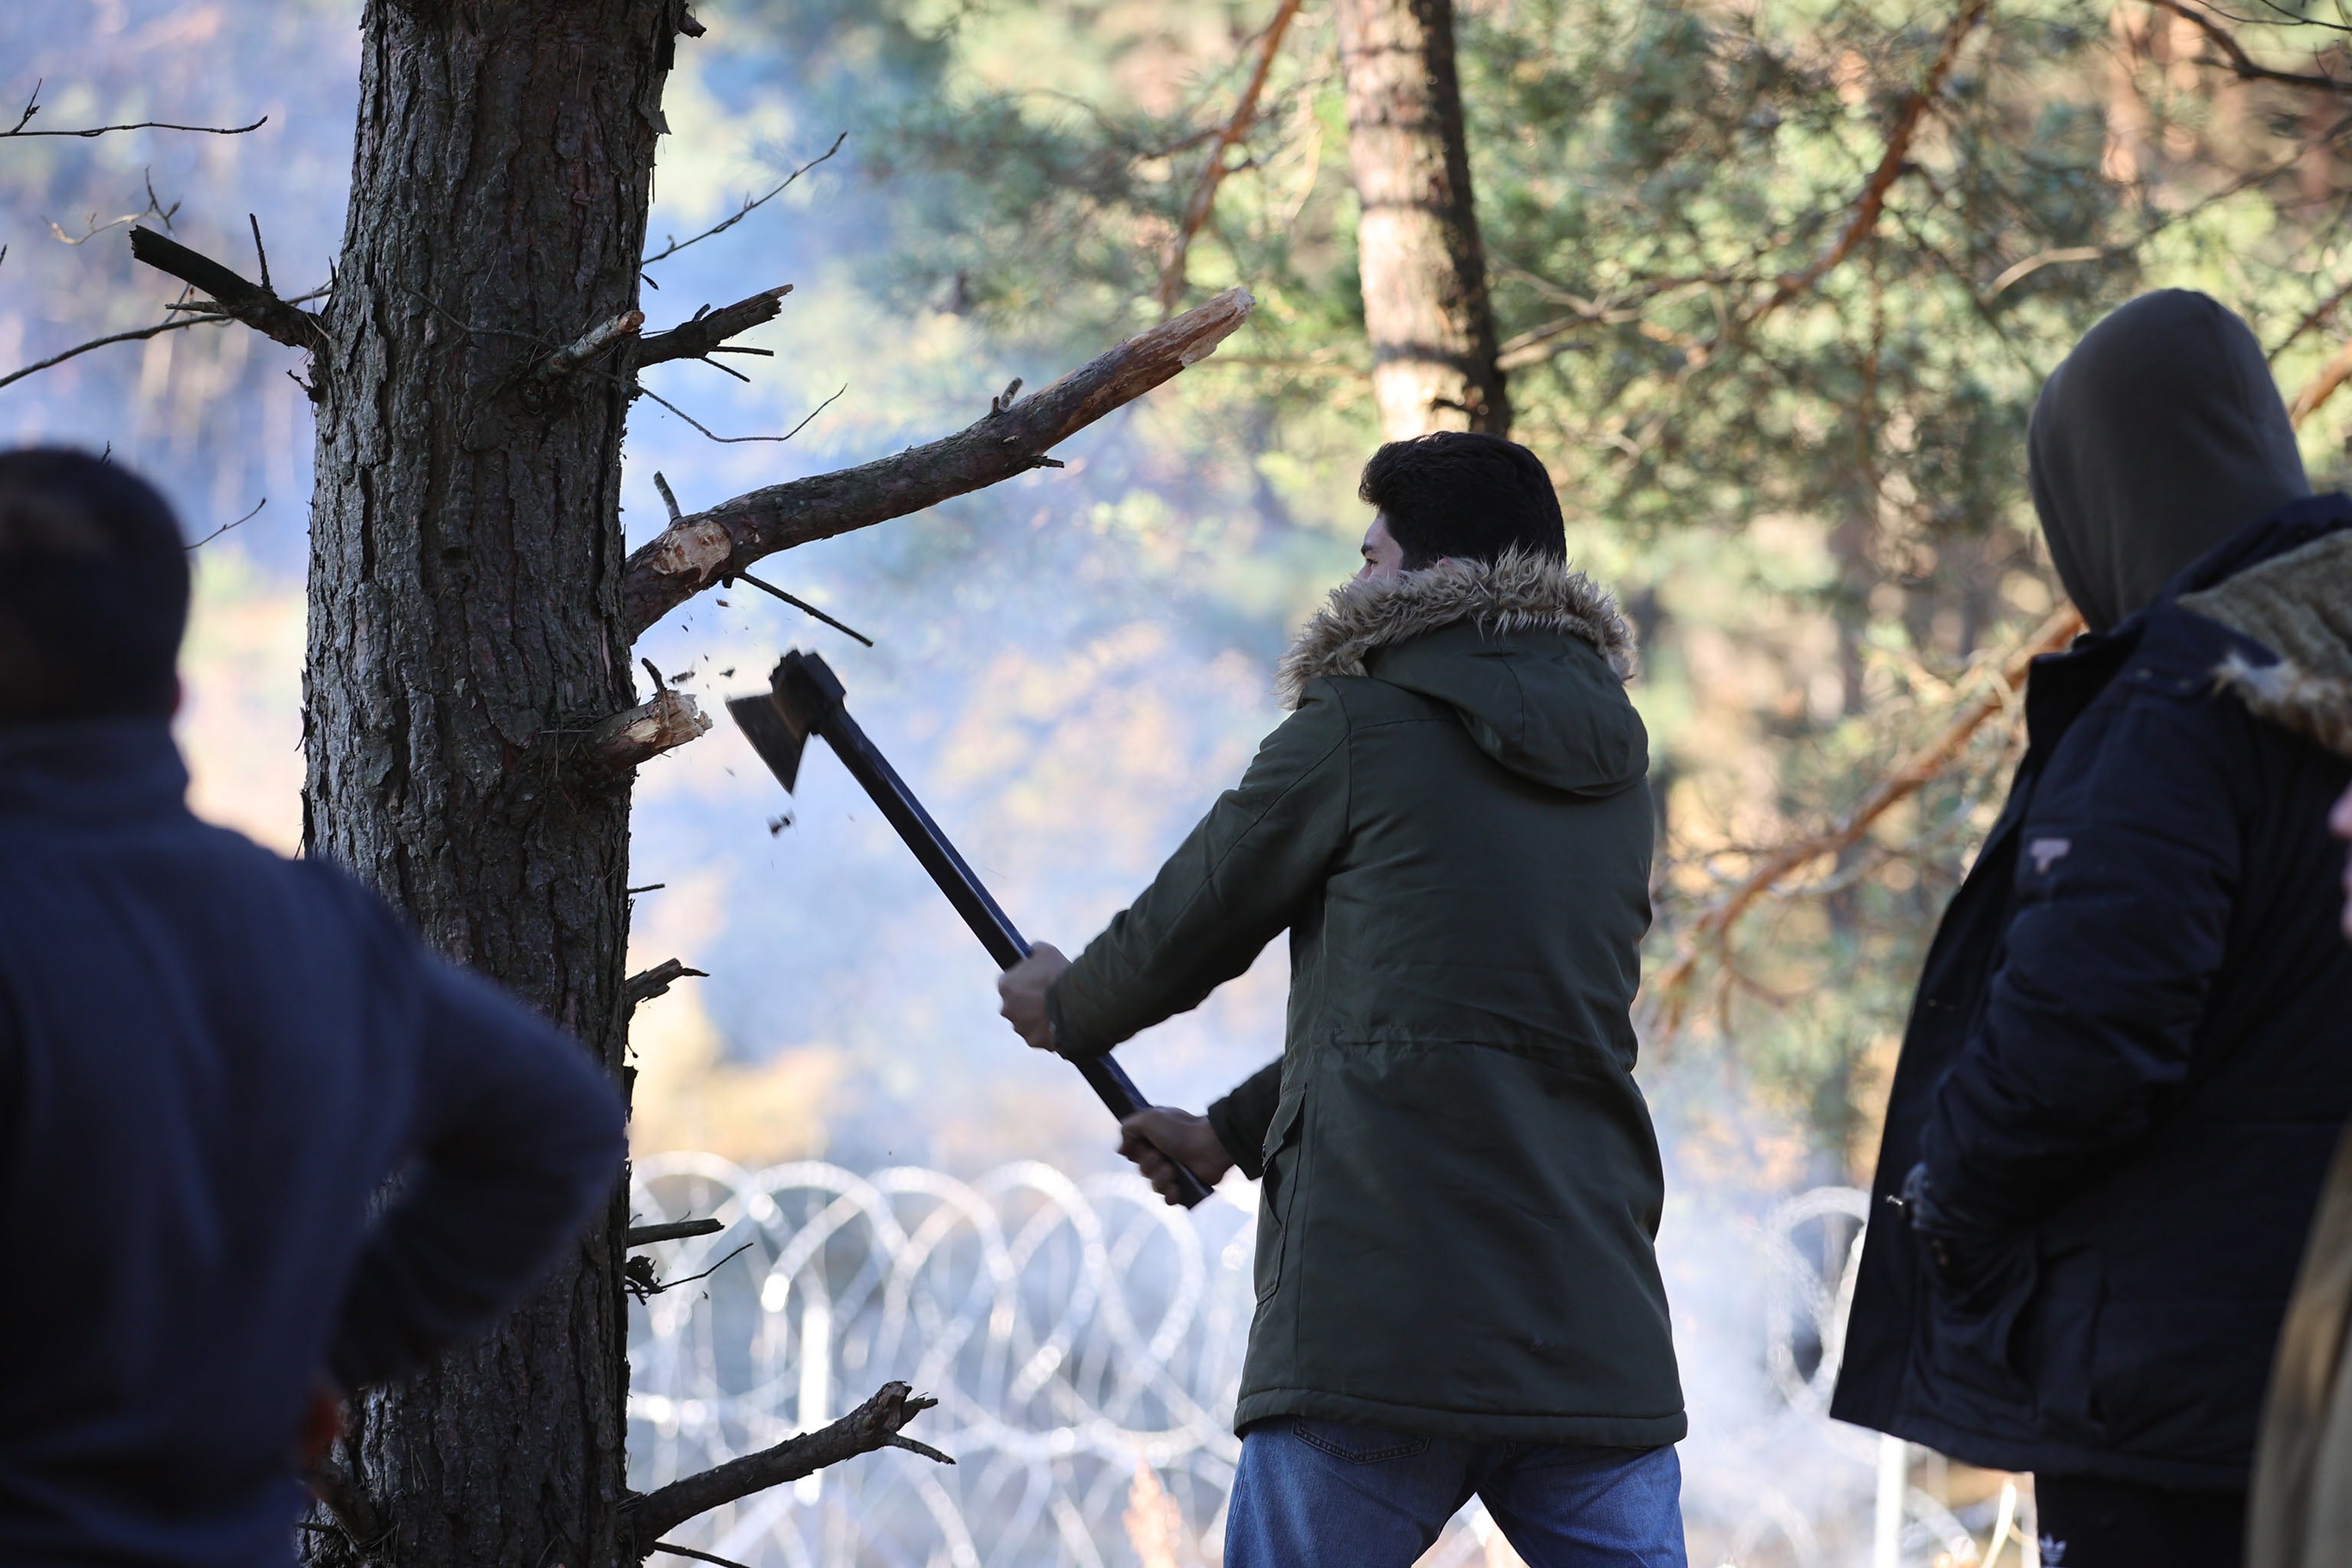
[1457, 1290]
[2131, 1050]
[2302, 1506]
[211, 1060]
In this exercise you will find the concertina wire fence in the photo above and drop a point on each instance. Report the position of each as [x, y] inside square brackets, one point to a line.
[1085, 1342]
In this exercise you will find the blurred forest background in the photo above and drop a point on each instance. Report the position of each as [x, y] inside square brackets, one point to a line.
[1775, 282]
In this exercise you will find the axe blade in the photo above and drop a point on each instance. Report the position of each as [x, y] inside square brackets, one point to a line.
[772, 733]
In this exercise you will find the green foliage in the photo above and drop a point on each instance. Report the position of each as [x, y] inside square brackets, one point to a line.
[1815, 504]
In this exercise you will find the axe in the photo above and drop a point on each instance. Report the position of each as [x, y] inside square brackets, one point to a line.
[805, 699]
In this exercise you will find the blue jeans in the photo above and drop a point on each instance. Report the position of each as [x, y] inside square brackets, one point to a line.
[1325, 1492]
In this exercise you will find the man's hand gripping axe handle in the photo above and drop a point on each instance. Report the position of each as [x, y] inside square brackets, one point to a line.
[805, 699]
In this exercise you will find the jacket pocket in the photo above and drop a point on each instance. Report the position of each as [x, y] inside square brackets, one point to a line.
[1966, 1367]
[1278, 1187]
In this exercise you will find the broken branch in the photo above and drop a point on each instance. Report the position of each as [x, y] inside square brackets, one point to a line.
[248, 301]
[589, 344]
[1863, 216]
[707, 333]
[874, 1424]
[698, 550]
[639, 734]
[676, 1550]
[675, 1230]
[1212, 172]
[646, 984]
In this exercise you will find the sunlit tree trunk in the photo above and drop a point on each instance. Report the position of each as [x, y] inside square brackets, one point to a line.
[1423, 271]
[464, 628]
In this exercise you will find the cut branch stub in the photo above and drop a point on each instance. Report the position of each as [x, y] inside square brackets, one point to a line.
[590, 343]
[692, 339]
[648, 983]
[873, 1425]
[699, 549]
[639, 734]
[673, 1231]
[247, 301]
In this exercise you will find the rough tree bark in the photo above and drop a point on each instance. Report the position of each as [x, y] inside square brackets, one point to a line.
[1423, 271]
[464, 632]
[468, 714]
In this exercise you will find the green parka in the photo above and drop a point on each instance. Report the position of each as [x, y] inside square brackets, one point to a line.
[1461, 1185]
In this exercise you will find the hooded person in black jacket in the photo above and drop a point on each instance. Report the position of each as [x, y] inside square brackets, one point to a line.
[2130, 1057]
[211, 1061]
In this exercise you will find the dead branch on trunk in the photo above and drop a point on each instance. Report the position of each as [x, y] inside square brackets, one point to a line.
[247, 302]
[873, 1425]
[1710, 932]
[1212, 172]
[1863, 214]
[710, 329]
[648, 983]
[698, 550]
[675, 1230]
[639, 734]
[589, 344]
[676, 1550]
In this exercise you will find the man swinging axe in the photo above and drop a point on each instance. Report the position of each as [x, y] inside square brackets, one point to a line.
[1456, 1287]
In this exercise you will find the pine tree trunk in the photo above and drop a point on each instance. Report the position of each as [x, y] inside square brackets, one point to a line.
[1424, 270]
[465, 627]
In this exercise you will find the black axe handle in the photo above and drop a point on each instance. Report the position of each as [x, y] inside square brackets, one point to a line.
[982, 913]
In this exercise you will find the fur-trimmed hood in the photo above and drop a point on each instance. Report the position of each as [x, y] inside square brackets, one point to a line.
[1533, 656]
[2299, 605]
[1518, 592]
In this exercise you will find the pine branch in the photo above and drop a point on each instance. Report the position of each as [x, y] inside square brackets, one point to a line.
[1863, 215]
[1710, 932]
[2243, 65]
[1212, 172]
[874, 1424]
[700, 549]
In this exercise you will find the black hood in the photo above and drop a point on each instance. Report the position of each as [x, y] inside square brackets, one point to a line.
[2160, 437]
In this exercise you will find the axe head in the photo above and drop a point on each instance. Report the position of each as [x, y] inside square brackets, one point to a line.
[801, 695]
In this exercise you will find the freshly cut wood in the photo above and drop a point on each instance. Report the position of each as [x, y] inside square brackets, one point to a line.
[641, 734]
[700, 548]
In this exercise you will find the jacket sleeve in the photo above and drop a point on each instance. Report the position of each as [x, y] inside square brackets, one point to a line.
[2127, 874]
[1241, 1119]
[517, 1139]
[1233, 886]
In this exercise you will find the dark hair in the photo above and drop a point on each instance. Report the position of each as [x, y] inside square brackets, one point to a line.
[1470, 496]
[93, 589]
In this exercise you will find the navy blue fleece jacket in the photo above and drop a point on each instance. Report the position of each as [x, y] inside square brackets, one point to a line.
[211, 1061]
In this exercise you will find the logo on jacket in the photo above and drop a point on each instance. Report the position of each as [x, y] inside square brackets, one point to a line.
[2047, 852]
